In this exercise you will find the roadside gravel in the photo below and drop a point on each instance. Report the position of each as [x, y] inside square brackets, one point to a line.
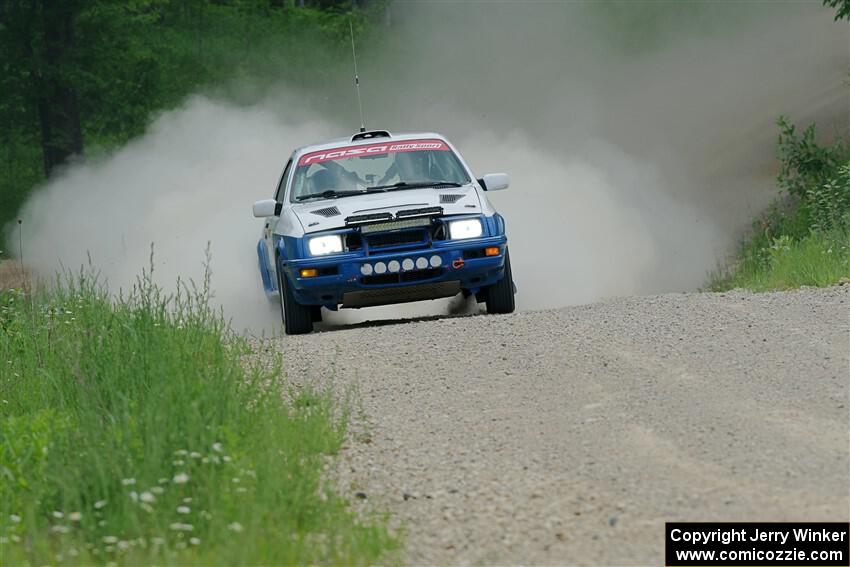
[571, 435]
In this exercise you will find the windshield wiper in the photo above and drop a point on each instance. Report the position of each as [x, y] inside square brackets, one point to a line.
[412, 185]
[329, 194]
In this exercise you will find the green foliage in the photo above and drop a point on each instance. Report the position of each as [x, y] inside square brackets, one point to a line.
[818, 259]
[132, 59]
[842, 7]
[804, 163]
[829, 203]
[805, 239]
[131, 432]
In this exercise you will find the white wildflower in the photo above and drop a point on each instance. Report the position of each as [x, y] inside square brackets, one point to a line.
[128, 481]
[195, 455]
[226, 458]
[181, 452]
[183, 510]
[147, 497]
[75, 516]
[133, 496]
[180, 545]
[241, 489]
[180, 478]
[124, 545]
[178, 463]
[15, 538]
[110, 539]
[15, 519]
[60, 529]
[73, 552]
[177, 526]
[99, 504]
[216, 447]
[157, 540]
[147, 507]
[101, 523]
[58, 515]
[206, 515]
[194, 541]
[163, 481]
[157, 489]
[235, 526]
[187, 500]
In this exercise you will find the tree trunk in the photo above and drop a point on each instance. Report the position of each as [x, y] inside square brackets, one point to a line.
[58, 111]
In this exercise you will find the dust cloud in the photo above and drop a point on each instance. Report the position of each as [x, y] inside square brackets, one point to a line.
[635, 164]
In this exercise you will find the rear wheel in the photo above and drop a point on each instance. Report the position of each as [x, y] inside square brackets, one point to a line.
[297, 318]
[499, 297]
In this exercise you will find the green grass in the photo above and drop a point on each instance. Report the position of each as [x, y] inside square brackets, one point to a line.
[818, 259]
[133, 431]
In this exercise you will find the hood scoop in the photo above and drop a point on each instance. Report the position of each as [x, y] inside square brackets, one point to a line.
[327, 212]
[449, 199]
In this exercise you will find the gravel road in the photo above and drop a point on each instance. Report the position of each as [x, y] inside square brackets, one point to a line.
[571, 435]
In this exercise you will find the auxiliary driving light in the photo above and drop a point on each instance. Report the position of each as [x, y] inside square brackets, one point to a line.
[309, 273]
[366, 269]
[491, 251]
[407, 264]
[421, 263]
[436, 261]
[380, 268]
[393, 266]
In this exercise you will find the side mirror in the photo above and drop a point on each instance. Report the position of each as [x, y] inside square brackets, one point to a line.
[495, 181]
[265, 208]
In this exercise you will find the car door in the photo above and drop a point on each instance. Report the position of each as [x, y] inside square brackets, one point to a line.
[271, 222]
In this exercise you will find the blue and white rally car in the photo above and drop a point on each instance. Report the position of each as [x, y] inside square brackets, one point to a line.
[377, 219]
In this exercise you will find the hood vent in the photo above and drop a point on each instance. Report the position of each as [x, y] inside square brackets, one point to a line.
[450, 199]
[327, 212]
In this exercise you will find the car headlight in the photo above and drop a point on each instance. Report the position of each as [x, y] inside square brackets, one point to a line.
[321, 245]
[467, 228]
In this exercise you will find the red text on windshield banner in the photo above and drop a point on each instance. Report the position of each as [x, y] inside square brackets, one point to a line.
[373, 149]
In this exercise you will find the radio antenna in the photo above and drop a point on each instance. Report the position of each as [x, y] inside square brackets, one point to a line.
[356, 78]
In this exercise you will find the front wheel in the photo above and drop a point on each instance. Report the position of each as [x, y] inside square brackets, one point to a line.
[297, 318]
[499, 297]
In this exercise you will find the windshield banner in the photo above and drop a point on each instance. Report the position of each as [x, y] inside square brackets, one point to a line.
[373, 149]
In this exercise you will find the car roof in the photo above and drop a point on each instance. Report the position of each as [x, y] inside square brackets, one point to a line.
[340, 142]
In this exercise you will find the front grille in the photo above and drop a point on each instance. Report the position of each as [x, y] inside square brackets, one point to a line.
[401, 277]
[387, 295]
[402, 238]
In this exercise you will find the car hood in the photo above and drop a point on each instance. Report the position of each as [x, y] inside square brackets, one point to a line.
[329, 214]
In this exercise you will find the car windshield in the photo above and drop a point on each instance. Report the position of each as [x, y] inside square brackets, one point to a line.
[353, 170]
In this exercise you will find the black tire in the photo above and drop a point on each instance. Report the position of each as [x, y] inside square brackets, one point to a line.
[297, 318]
[499, 297]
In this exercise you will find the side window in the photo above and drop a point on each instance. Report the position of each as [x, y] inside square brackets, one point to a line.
[278, 196]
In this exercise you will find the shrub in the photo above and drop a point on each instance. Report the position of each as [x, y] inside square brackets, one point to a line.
[805, 164]
[829, 203]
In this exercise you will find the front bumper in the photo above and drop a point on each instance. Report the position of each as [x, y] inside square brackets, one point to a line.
[440, 270]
